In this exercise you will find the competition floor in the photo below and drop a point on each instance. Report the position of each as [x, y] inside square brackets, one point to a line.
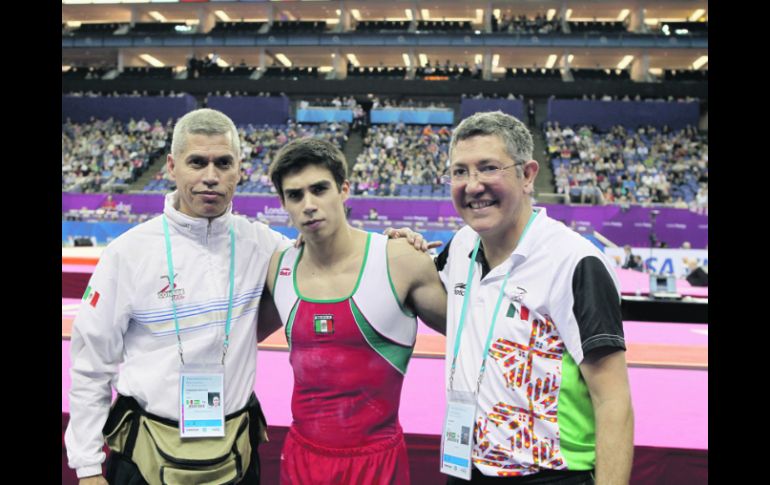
[668, 372]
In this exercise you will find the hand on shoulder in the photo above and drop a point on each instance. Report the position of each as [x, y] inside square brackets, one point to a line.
[402, 255]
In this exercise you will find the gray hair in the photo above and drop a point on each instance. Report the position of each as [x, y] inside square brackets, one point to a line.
[204, 121]
[515, 135]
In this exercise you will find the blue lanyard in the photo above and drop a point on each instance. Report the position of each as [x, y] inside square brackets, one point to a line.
[464, 310]
[170, 262]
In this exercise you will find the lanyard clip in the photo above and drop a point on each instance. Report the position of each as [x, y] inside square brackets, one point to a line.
[478, 382]
[224, 349]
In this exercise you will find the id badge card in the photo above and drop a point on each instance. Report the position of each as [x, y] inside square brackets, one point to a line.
[201, 401]
[457, 435]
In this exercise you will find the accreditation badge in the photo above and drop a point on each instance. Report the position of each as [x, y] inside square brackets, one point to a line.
[201, 401]
[457, 435]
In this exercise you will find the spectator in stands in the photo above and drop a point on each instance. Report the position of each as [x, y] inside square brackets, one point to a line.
[359, 118]
[680, 203]
[590, 193]
[608, 196]
[702, 199]
[109, 204]
[531, 112]
[629, 259]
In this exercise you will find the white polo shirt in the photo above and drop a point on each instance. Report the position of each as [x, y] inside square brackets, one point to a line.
[562, 300]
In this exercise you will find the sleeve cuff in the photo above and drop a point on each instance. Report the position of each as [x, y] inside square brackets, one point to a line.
[89, 471]
[603, 341]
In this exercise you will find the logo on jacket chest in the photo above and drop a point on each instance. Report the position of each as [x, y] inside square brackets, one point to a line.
[177, 293]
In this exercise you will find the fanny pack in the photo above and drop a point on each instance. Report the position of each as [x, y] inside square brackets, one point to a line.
[154, 445]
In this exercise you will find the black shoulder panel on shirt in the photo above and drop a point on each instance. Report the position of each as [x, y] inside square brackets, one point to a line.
[443, 255]
[596, 306]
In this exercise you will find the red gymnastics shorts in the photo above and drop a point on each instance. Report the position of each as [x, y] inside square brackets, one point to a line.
[381, 463]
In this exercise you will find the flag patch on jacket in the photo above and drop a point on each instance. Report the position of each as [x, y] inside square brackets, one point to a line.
[91, 296]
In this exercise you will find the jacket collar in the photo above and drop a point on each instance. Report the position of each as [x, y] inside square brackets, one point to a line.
[195, 225]
[526, 246]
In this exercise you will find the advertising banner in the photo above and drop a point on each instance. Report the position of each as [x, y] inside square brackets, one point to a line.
[665, 261]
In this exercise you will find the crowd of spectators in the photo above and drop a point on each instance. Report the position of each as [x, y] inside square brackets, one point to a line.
[236, 93]
[209, 66]
[628, 98]
[643, 166]
[344, 102]
[338, 102]
[103, 155]
[522, 24]
[350, 102]
[259, 144]
[396, 155]
[378, 103]
[509, 96]
[133, 94]
[449, 69]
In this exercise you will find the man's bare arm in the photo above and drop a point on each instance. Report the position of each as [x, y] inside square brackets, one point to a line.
[606, 374]
[268, 320]
[424, 295]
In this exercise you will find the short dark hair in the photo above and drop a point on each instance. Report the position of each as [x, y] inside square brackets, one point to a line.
[517, 138]
[297, 154]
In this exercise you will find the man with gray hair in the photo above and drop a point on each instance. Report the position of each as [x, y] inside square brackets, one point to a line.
[170, 317]
[534, 359]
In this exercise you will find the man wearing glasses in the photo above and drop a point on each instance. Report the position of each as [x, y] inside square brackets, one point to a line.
[534, 359]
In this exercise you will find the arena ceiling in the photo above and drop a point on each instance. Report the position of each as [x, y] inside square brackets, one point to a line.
[375, 10]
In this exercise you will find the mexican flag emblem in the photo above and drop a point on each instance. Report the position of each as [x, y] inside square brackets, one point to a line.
[91, 296]
[323, 324]
[511, 311]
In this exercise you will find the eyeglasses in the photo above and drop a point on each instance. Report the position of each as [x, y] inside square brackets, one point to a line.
[487, 173]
